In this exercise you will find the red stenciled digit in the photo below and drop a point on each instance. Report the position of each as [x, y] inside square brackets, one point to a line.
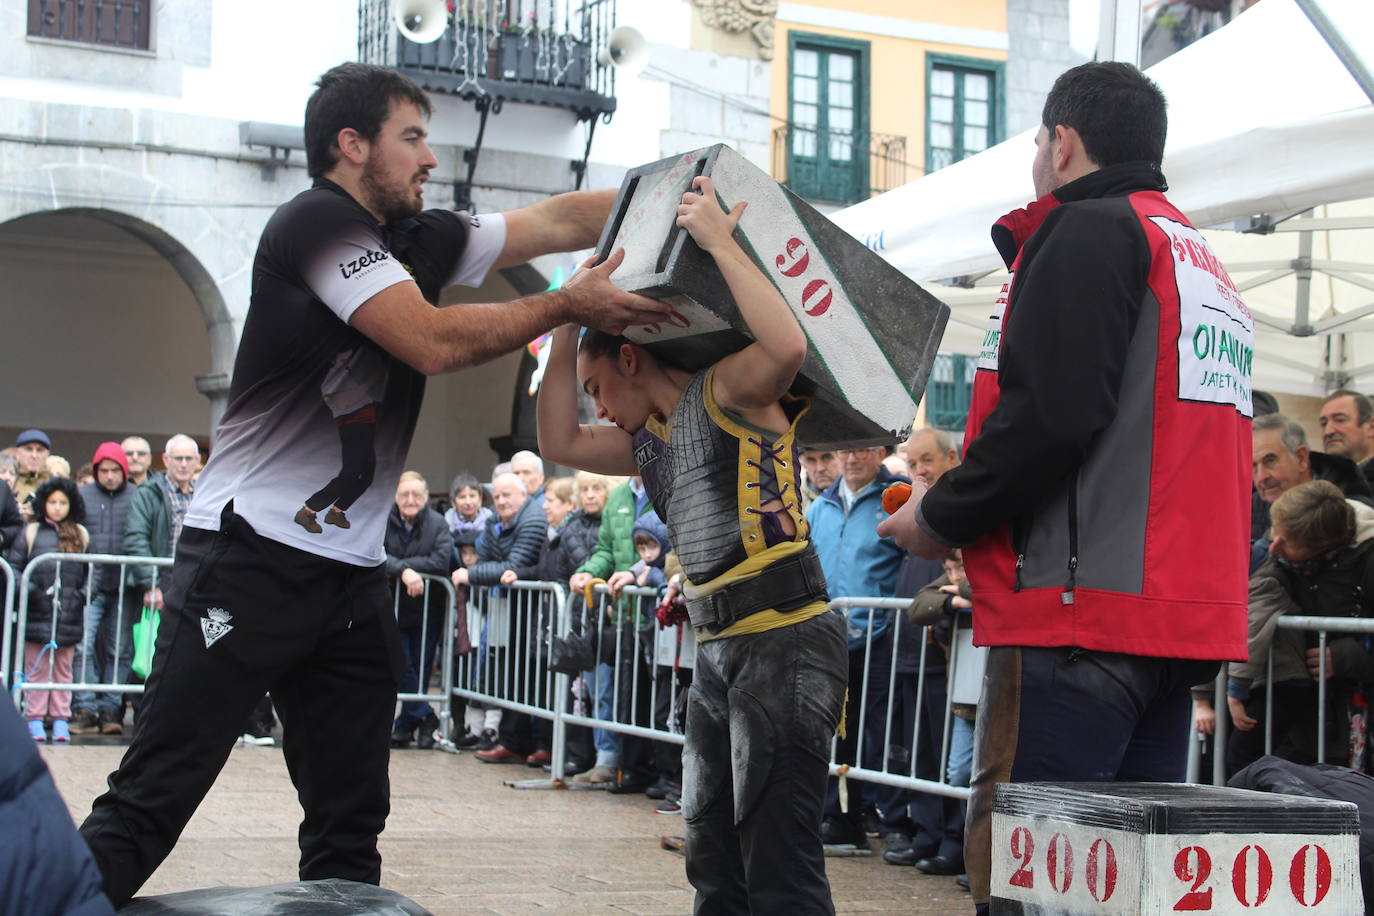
[1023, 848]
[1060, 850]
[1264, 875]
[816, 298]
[1297, 875]
[1193, 864]
[795, 262]
[1101, 860]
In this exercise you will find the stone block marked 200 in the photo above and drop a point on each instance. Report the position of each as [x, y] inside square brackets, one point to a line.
[1155, 848]
[873, 332]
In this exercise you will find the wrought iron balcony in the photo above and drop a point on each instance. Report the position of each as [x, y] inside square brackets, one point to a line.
[836, 166]
[542, 52]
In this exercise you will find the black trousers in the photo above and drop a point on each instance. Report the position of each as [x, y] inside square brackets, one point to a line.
[244, 615]
[760, 715]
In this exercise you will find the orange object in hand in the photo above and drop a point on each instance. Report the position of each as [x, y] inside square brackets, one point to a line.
[895, 496]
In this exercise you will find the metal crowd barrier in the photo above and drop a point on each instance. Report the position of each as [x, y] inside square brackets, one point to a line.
[6, 622]
[442, 698]
[510, 629]
[17, 679]
[628, 695]
[1322, 626]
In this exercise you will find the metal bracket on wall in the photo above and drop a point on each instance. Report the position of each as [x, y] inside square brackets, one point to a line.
[579, 166]
[462, 190]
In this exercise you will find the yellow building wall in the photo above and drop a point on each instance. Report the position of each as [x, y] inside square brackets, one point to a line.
[897, 66]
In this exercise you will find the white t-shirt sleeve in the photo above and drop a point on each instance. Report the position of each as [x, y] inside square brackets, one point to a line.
[350, 269]
[486, 240]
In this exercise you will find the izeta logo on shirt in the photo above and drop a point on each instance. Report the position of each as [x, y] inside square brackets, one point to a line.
[360, 265]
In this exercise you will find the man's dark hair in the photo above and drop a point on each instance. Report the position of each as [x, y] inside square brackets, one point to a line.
[1363, 409]
[1118, 111]
[352, 95]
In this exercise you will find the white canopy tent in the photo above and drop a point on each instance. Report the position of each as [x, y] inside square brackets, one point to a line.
[1265, 120]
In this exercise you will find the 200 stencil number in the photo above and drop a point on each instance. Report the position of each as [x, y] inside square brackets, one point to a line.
[1252, 872]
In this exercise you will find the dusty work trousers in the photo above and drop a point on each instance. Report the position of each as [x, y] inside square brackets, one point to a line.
[760, 715]
[244, 615]
[1063, 714]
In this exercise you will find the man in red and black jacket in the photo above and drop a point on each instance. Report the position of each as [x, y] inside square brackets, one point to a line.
[1103, 503]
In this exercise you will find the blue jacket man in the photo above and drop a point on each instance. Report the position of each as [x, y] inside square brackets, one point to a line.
[857, 562]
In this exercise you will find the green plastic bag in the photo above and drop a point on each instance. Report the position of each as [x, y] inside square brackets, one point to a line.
[145, 640]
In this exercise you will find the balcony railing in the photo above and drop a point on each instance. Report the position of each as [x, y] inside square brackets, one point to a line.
[840, 167]
[111, 23]
[542, 52]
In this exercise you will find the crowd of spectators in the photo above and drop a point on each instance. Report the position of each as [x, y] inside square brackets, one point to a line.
[80, 630]
[1312, 554]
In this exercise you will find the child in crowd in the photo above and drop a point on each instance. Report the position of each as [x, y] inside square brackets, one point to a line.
[56, 609]
[480, 721]
[651, 543]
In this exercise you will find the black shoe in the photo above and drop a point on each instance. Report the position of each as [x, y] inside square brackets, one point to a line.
[467, 741]
[843, 831]
[425, 738]
[660, 789]
[402, 736]
[488, 740]
[873, 826]
[628, 785]
[896, 841]
[940, 865]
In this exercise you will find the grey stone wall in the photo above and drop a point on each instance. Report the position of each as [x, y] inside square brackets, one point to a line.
[1039, 51]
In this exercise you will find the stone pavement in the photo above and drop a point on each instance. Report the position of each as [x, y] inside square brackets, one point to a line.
[459, 841]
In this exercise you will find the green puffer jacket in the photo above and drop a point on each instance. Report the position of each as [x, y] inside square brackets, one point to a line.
[148, 532]
[615, 542]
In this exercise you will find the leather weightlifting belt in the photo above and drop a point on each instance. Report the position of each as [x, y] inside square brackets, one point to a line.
[783, 586]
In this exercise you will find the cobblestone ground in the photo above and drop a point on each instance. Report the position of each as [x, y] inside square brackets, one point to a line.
[459, 841]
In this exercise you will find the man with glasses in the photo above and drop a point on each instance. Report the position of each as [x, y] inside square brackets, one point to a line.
[844, 521]
[140, 455]
[157, 512]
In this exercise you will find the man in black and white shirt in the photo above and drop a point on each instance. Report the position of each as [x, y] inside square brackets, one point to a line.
[278, 583]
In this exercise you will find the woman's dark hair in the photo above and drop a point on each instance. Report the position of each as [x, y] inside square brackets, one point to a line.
[464, 479]
[598, 343]
[353, 95]
[1118, 112]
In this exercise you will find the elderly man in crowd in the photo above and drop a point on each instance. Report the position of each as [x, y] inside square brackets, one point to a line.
[822, 469]
[919, 828]
[529, 467]
[857, 561]
[157, 512]
[31, 451]
[515, 536]
[107, 647]
[140, 456]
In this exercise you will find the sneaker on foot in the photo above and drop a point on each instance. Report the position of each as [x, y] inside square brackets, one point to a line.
[336, 518]
[488, 740]
[843, 831]
[668, 807]
[306, 519]
[36, 731]
[60, 733]
[251, 740]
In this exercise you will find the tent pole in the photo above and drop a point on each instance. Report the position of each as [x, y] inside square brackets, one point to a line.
[1118, 36]
[1302, 272]
[1342, 49]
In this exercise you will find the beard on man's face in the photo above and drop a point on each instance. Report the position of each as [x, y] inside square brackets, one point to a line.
[393, 203]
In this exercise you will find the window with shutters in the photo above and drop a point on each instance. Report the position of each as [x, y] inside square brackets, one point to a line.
[827, 134]
[123, 24]
[965, 110]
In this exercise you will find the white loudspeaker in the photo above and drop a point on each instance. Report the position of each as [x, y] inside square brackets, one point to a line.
[626, 50]
[421, 21]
